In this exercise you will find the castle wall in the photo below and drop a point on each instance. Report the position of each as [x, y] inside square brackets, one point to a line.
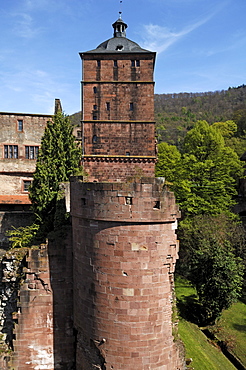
[44, 337]
[125, 250]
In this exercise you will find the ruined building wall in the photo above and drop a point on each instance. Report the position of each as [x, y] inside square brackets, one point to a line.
[125, 250]
[36, 306]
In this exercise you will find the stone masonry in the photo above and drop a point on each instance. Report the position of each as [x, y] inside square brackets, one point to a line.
[125, 250]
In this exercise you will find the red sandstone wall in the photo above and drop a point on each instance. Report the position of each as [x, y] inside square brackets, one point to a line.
[125, 250]
[118, 169]
[44, 327]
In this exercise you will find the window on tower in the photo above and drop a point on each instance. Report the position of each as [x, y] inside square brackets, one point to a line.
[95, 89]
[94, 139]
[133, 63]
[137, 63]
[115, 63]
[98, 63]
[131, 106]
[108, 106]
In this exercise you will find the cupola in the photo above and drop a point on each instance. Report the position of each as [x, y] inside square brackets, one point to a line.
[119, 27]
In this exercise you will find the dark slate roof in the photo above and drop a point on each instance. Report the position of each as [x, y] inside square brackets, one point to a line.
[118, 45]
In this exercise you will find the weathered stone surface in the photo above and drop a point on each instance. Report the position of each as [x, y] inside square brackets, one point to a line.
[124, 256]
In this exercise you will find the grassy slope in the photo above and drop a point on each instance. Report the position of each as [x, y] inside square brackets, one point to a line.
[205, 356]
[231, 328]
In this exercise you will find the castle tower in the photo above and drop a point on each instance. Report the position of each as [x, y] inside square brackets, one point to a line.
[118, 109]
[124, 241]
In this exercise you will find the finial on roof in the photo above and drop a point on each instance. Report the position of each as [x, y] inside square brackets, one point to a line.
[120, 12]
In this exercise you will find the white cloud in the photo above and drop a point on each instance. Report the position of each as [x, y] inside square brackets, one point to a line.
[24, 26]
[159, 38]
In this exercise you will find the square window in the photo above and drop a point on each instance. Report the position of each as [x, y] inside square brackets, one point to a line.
[31, 152]
[11, 151]
[20, 125]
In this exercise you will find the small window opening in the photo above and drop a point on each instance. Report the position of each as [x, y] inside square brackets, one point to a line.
[138, 63]
[131, 106]
[127, 154]
[115, 61]
[119, 47]
[94, 89]
[94, 139]
[129, 201]
[20, 125]
[98, 63]
[83, 201]
[95, 107]
[26, 184]
[133, 63]
[157, 205]
[94, 117]
[108, 106]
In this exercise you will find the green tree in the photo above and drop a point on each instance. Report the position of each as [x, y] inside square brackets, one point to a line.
[210, 251]
[58, 159]
[204, 177]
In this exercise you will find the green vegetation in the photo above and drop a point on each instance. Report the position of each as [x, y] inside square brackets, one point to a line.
[230, 329]
[203, 175]
[58, 159]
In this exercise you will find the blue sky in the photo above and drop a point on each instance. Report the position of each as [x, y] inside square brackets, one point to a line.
[201, 46]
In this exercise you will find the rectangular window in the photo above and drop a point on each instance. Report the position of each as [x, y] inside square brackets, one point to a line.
[131, 106]
[138, 63]
[95, 107]
[133, 63]
[11, 151]
[115, 63]
[94, 117]
[20, 125]
[26, 184]
[31, 152]
[94, 89]
[108, 106]
[98, 63]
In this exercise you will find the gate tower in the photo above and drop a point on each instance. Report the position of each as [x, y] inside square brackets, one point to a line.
[118, 126]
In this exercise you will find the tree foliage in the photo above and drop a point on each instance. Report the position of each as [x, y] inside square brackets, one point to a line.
[58, 159]
[211, 246]
[205, 175]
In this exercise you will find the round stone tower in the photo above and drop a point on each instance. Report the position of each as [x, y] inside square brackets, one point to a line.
[125, 250]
